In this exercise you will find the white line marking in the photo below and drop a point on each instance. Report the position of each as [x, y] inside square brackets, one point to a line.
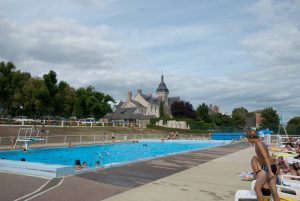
[34, 191]
[46, 190]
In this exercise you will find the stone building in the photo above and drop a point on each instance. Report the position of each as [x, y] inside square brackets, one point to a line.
[142, 107]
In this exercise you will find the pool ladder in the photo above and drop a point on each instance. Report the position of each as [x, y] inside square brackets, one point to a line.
[101, 156]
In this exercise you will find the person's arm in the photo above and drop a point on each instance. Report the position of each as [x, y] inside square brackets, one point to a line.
[266, 158]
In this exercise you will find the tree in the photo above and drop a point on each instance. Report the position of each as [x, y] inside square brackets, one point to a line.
[239, 117]
[293, 126]
[50, 82]
[270, 119]
[91, 103]
[221, 119]
[11, 83]
[182, 109]
[64, 100]
[34, 98]
[203, 113]
[161, 110]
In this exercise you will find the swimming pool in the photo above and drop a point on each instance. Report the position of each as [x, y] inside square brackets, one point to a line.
[111, 153]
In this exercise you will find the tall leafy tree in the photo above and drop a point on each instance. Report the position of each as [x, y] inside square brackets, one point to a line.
[182, 109]
[11, 83]
[161, 110]
[35, 98]
[91, 103]
[50, 82]
[203, 112]
[239, 117]
[221, 119]
[64, 99]
[270, 119]
[293, 126]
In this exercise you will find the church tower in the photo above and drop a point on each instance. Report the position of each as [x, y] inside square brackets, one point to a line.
[162, 91]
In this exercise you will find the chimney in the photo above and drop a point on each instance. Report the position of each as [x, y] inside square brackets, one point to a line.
[139, 91]
[129, 96]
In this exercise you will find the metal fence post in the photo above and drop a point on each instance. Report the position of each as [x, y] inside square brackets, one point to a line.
[80, 139]
[47, 141]
[94, 139]
[65, 140]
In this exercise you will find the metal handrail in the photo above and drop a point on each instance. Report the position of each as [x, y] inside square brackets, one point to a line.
[108, 155]
[101, 155]
[97, 153]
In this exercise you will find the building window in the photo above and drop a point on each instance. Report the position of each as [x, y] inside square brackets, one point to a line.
[155, 109]
[151, 108]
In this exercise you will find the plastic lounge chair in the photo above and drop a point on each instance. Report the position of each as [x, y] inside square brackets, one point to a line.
[291, 160]
[291, 181]
[287, 193]
[245, 195]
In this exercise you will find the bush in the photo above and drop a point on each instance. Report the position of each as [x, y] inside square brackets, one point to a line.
[154, 120]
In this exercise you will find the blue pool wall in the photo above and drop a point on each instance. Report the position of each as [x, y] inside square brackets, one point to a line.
[227, 136]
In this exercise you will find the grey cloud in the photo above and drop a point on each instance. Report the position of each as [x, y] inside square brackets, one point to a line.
[61, 42]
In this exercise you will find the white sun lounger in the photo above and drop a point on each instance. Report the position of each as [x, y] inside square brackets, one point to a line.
[245, 195]
[291, 160]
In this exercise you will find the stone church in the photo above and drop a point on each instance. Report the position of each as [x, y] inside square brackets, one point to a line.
[142, 107]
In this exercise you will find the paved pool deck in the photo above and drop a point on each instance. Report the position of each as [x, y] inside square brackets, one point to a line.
[209, 174]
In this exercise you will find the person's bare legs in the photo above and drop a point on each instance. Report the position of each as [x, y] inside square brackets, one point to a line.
[273, 189]
[261, 180]
[255, 164]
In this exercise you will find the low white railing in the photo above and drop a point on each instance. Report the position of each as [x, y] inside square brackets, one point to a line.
[280, 140]
[71, 140]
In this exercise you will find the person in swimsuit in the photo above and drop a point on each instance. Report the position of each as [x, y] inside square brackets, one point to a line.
[268, 170]
[282, 166]
[256, 167]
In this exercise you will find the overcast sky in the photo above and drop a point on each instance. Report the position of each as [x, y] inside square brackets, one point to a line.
[229, 53]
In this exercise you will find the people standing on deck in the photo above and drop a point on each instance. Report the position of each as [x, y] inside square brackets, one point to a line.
[113, 137]
[269, 169]
[43, 131]
[13, 141]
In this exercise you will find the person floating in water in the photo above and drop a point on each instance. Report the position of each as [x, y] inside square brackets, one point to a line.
[84, 165]
[77, 165]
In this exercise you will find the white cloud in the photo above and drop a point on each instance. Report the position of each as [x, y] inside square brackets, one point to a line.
[119, 47]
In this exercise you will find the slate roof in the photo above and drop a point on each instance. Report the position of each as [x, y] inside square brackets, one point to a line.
[162, 86]
[150, 99]
[127, 113]
[138, 104]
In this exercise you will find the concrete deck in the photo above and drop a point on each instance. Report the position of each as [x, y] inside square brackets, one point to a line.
[210, 174]
[214, 180]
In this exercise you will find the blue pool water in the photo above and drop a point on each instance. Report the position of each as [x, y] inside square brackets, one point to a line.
[119, 153]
